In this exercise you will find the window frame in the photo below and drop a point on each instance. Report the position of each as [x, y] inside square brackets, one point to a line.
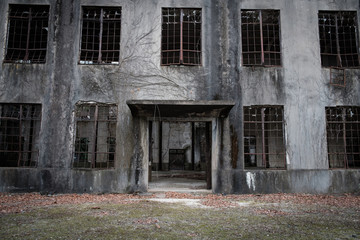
[78, 156]
[262, 52]
[198, 43]
[265, 154]
[345, 134]
[338, 54]
[30, 34]
[29, 127]
[100, 51]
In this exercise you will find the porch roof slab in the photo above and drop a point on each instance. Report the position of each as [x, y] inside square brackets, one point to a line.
[180, 108]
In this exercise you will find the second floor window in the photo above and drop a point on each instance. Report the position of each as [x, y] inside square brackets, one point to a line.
[100, 39]
[260, 30]
[181, 36]
[338, 39]
[27, 34]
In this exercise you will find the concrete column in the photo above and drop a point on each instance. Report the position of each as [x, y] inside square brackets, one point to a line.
[216, 154]
[155, 145]
[222, 172]
[140, 158]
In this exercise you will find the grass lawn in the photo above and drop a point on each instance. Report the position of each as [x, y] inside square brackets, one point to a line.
[180, 217]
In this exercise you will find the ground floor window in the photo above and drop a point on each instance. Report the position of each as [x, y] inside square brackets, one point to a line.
[19, 134]
[95, 140]
[343, 132]
[264, 144]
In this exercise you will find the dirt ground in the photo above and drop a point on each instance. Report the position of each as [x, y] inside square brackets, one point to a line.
[172, 215]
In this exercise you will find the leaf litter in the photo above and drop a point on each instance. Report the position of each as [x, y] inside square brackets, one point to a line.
[22, 202]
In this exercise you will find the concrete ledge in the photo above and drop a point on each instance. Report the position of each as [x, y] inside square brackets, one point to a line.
[180, 108]
[289, 181]
[19, 180]
[228, 181]
[51, 180]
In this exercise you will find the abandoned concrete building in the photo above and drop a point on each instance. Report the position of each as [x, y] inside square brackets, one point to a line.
[256, 96]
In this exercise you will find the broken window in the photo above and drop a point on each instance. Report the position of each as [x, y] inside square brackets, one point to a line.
[100, 39]
[264, 145]
[19, 134]
[343, 136]
[181, 36]
[338, 39]
[95, 140]
[260, 30]
[27, 34]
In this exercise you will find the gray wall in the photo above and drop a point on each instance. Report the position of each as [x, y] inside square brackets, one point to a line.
[301, 85]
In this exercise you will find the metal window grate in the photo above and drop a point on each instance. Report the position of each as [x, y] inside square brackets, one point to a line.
[19, 134]
[100, 39]
[343, 136]
[338, 39]
[95, 141]
[260, 31]
[181, 36]
[264, 144]
[27, 34]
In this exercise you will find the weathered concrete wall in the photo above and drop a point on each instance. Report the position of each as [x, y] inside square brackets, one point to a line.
[301, 85]
[176, 135]
[297, 181]
[61, 82]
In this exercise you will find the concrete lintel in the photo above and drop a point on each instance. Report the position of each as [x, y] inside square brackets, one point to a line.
[180, 108]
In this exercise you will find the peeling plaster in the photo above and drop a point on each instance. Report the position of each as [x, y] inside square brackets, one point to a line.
[250, 180]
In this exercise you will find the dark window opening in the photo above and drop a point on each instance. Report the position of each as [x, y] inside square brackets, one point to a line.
[27, 34]
[95, 140]
[260, 30]
[264, 144]
[176, 159]
[343, 136]
[100, 39]
[19, 134]
[338, 35]
[81, 149]
[181, 36]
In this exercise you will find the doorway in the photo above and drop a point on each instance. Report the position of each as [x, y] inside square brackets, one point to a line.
[179, 155]
[148, 120]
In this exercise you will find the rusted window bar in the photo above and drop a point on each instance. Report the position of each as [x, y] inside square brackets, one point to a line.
[100, 40]
[95, 136]
[338, 39]
[93, 150]
[27, 34]
[264, 145]
[181, 36]
[343, 136]
[260, 37]
[19, 132]
[263, 136]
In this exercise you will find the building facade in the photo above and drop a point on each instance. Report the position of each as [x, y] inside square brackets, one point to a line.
[89, 87]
